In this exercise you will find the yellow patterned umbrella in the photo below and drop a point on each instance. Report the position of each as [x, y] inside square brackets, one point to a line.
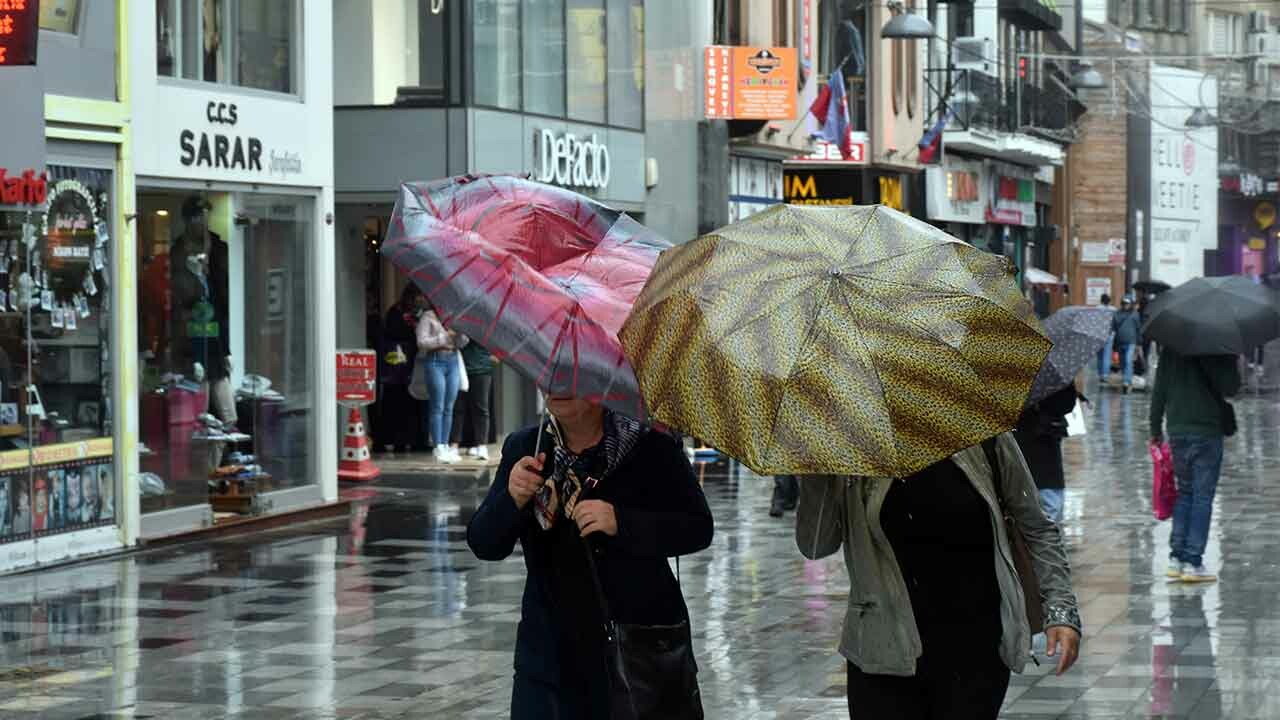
[850, 340]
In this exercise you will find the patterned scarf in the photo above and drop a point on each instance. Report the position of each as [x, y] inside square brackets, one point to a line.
[575, 472]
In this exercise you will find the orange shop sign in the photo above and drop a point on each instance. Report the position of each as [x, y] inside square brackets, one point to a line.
[750, 83]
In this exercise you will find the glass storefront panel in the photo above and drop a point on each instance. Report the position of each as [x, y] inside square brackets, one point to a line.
[626, 63]
[239, 42]
[544, 58]
[226, 407]
[276, 398]
[496, 53]
[56, 471]
[586, 60]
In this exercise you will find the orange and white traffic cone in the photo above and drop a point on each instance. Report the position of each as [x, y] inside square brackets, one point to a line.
[356, 463]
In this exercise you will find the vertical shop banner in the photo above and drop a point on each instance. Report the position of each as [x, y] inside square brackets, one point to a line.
[357, 377]
[750, 83]
[1184, 175]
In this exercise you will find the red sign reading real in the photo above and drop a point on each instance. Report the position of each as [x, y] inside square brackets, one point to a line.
[357, 377]
[19, 31]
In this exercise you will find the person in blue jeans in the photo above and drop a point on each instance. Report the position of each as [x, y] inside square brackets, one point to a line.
[1127, 327]
[1189, 400]
[1104, 354]
[438, 356]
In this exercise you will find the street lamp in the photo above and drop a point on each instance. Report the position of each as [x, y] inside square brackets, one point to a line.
[1201, 118]
[1086, 78]
[906, 26]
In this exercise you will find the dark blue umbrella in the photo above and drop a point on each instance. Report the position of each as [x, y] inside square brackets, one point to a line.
[1078, 333]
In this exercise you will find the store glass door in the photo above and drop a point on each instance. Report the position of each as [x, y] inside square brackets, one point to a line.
[56, 451]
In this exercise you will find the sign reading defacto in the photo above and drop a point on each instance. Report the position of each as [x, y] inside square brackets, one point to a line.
[25, 188]
[221, 147]
[19, 31]
[750, 83]
[570, 161]
[819, 186]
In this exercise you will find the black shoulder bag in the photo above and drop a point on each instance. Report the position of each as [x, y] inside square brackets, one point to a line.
[1228, 412]
[1017, 546]
[652, 674]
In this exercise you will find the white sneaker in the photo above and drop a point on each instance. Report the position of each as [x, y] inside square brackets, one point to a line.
[1176, 567]
[482, 452]
[1197, 574]
[444, 454]
[453, 453]
[473, 452]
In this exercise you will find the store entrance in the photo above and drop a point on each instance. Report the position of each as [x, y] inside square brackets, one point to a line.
[225, 403]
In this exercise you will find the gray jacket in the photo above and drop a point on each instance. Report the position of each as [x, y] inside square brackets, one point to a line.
[880, 634]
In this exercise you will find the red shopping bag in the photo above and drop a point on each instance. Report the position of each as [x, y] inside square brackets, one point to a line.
[1164, 491]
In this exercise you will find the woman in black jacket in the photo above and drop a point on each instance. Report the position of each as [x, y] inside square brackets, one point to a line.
[603, 481]
[397, 410]
[1039, 433]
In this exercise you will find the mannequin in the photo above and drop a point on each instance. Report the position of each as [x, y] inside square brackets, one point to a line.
[200, 328]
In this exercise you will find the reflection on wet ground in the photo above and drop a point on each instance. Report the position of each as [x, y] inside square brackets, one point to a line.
[388, 615]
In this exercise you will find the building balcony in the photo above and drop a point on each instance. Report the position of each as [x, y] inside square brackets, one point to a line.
[1024, 124]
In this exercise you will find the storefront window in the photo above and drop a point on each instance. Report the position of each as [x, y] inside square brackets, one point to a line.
[56, 470]
[225, 407]
[238, 42]
[587, 62]
[496, 53]
[59, 15]
[626, 63]
[544, 59]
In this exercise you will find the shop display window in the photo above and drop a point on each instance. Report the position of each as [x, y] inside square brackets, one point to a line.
[238, 42]
[59, 15]
[56, 452]
[225, 336]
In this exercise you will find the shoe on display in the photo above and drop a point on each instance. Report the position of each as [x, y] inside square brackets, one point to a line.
[1176, 568]
[1197, 574]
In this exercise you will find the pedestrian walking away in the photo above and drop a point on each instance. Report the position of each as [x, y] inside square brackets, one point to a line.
[786, 492]
[438, 350]
[1104, 355]
[1127, 325]
[630, 493]
[932, 538]
[1189, 404]
[1039, 433]
[398, 412]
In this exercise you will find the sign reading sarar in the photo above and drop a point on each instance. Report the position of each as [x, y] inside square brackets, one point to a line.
[219, 145]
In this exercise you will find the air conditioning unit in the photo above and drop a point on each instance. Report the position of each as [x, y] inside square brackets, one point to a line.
[1259, 21]
[972, 53]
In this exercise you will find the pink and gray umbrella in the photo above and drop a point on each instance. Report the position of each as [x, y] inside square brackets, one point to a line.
[541, 276]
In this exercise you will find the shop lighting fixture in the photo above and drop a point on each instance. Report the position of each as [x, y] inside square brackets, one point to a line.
[162, 213]
[1086, 78]
[1201, 118]
[906, 26]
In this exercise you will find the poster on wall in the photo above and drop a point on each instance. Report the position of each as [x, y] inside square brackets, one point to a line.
[1095, 288]
[750, 83]
[71, 487]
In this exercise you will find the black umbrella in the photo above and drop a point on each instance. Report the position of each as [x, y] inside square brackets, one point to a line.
[1152, 286]
[1077, 332]
[1215, 316]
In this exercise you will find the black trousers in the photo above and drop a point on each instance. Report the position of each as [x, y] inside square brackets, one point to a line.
[966, 687]
[398, 417]
[473, 405]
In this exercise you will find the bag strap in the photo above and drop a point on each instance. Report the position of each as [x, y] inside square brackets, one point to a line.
[993, 459]
[599, 588]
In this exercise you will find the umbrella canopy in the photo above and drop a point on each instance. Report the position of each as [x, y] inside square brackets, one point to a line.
[1152, 286]
[1214, 316]
[541, 276]
[1078, 333]
[852, 340]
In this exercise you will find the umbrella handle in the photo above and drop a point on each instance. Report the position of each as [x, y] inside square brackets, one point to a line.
[542, 419]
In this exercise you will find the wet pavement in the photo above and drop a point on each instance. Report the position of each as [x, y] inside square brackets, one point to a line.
[388, 615]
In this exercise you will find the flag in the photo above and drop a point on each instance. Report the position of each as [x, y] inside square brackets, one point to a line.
[832, 112]
[931, 143]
